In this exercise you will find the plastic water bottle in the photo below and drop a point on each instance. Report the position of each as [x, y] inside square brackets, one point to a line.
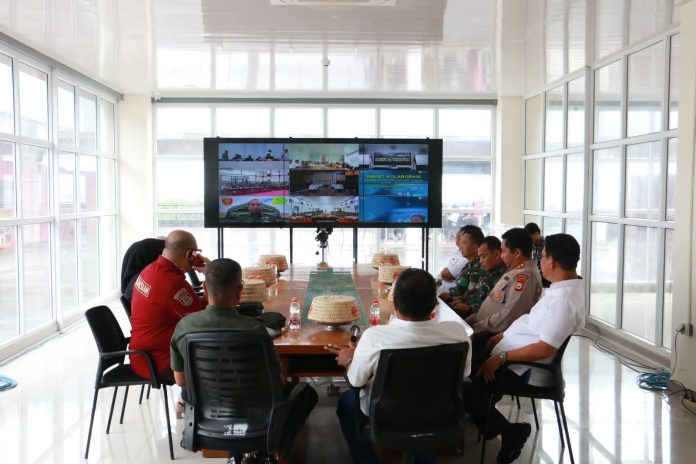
[295, 314]
[375, 314]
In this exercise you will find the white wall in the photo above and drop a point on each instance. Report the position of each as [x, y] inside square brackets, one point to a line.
[685, 251]
[136, 170]
[509, 166]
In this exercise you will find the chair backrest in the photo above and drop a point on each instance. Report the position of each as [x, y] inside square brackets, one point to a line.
[558, 370]
[107, 333]
[418, 390]
[137, 257]
[126, 305]
[233, 381]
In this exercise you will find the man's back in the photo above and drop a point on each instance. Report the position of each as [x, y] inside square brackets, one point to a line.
[161, 297]
[399, 334]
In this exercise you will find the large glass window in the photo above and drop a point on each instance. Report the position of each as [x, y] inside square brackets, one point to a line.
[6, 95]
[674, 81]
[604, 272]
[68, 265]
[643, 180]
[532, 195]
[407, 122]
[299, 122]
[242, 122]
[671, 178]
[36, 251]
[247, 69]
[607, 113]
[88, 183]
[351, 122]
[533, 111]
[7, 180]
[645, 89]
[575, 183]
[88, 121]
[107, 253]
[605, 188]
[639, 282]
[180, 130]
[88, 261]
[33, 102]
[576, 112]
[553, 184]
[554, 119]
[40, 168]
[34, 177]
[9, 309]
[668, 290]
[298, 69]
[66, 114]
[609, 27]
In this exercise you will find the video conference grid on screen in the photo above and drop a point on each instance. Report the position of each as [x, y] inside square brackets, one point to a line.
[309, 183]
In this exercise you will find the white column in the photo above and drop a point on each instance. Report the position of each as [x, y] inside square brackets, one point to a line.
[136, 170]
[509, 166]
[685, 249]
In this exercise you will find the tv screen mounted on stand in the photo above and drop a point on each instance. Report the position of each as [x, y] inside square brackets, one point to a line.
[317, 183]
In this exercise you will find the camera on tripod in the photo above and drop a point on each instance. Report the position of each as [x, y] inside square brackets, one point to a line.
[323, 236]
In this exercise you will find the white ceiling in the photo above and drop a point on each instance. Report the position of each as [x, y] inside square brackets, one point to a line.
[268, 47]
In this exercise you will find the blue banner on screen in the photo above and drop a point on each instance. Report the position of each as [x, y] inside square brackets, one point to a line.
[303, 182]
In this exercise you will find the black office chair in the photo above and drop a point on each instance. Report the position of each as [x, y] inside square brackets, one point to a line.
[416, 402]
[235, 400]
[112, 371]
[127, 307]
[555, 393]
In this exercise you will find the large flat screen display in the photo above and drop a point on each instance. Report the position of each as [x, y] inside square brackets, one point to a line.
[323, 182]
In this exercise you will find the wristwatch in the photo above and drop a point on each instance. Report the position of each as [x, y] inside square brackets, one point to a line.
[503, 356]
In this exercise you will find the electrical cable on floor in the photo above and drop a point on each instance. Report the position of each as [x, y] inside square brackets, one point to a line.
[6, 383]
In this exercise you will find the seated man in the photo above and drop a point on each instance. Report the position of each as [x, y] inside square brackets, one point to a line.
[471, 237]
[223, 289]
[538, 241]
[533, 337]
[489, 254]
[414, 300]
[515, 293]
[447, 278]
[161, 297]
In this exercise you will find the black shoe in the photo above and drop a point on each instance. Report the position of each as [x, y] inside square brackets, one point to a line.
[513, 440]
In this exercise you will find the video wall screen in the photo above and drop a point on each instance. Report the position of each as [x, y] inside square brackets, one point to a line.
[330, 182]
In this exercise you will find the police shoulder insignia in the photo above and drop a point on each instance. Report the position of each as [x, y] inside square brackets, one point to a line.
[520, 281]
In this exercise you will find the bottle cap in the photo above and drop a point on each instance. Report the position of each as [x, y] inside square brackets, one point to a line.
[375, 301]
[294, 298]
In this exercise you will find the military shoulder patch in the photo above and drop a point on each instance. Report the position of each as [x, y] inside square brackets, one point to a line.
[184, 297]
[520, 281]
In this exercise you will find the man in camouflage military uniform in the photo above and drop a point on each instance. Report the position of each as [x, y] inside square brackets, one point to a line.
[489, 254]
[468, 243]
[516, 292]
[254, 211]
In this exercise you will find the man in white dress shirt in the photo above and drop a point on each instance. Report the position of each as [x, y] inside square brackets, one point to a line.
[447, 278]
[414, 300]
[533, 337]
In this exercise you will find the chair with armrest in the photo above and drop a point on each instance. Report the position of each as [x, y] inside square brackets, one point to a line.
[416, 402]
[235, 400]
[554, 392]
[112, 371]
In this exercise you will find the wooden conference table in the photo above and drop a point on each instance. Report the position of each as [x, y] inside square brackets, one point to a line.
[302, 353]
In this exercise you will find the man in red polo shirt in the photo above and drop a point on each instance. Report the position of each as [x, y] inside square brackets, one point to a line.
[161, 297]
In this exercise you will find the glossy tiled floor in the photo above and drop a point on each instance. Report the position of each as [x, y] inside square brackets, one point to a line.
[45, 418]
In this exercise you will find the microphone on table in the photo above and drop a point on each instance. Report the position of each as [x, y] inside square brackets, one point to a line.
[355, 333]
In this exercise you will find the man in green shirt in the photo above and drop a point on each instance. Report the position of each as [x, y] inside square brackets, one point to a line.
[223, 287]
[489, 254]
[471, 237]
[253, 211]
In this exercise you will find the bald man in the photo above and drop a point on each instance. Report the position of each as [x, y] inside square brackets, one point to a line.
[161, 297]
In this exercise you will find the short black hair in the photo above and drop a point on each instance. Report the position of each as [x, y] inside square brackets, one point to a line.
[222, 276]
[519, 239]
[472, 231]
[564, 249]
[492, 242]
[415, 293]
[532, 228]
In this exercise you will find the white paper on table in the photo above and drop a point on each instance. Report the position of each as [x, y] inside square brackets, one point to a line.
[445, 313]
